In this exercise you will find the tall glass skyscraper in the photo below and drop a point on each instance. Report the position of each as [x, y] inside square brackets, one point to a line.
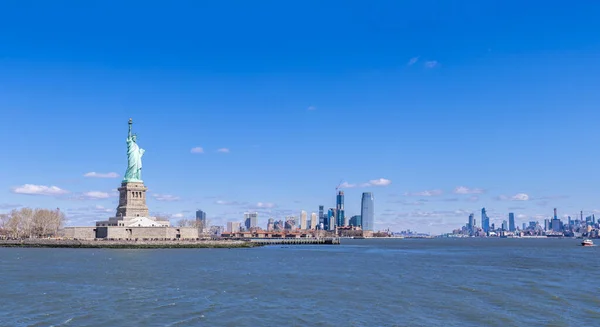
[201, 218]
[321, 215]
[251, 220]
[339, 212]
[330, 221]
[485, 221]
[367, 211]
[511, 222]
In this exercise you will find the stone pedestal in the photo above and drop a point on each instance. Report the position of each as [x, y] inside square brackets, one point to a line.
[132, 200]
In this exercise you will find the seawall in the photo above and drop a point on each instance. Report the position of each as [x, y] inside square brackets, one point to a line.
[125, 244]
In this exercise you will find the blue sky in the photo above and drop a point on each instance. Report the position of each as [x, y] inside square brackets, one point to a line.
[457, 106]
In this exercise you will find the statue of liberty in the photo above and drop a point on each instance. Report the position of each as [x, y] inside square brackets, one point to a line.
[134, 158]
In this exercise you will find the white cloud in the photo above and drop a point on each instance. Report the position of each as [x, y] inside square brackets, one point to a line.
[440, 213]
[516, 197]
[466, 190]
[347, 185]
[380, 182]
[165, 197]
[265, 205]
[426, 193]
[520, 197]
[197, 150]
[373, 182]
[431, 64]
[32, 189]
[229, 203]
[96, 195]
[178, 215]
[223, 150]
[102, 209]
[311, 108]
[413, 61]
[101, 175]
[9, 205]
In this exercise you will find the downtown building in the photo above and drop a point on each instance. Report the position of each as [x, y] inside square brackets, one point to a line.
[367, 211]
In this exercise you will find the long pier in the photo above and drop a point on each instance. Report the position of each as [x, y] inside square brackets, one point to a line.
[295, 240]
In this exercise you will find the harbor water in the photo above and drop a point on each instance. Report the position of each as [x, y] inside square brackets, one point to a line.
[371, 282]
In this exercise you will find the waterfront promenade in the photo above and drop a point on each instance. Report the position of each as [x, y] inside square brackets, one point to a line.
[295, 240]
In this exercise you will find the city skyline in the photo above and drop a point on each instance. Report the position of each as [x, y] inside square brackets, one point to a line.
[435, 121]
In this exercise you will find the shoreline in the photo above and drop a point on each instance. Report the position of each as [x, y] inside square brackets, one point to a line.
[105, 244]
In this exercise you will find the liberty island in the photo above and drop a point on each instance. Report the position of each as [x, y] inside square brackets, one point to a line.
[132, 220]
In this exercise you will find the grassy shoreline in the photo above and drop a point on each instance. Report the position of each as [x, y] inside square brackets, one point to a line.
[91, 244]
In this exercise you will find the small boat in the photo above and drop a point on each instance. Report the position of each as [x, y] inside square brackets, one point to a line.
[587, 242]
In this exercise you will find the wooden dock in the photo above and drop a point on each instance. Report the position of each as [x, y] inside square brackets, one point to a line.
[295, 240]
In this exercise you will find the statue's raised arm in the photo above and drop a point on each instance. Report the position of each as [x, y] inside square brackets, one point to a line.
[129, 134]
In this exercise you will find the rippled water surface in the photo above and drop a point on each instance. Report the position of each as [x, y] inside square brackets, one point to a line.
[439, 282]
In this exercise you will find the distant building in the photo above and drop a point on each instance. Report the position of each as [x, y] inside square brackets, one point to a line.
[356, 221]
[504, 225]
[511, 222]
[322, 215]
[216, 230]
[556, 225]
[367, 212]
[251, 220]
[233, 226]
[201, 218]
[339, 210]
[290, 223]
[331, 219]
[524, 226]
[471, 224]
[279, 225]
[303, 222]
[546, 225]
[313, 221]
[485, 221]
[271, 225]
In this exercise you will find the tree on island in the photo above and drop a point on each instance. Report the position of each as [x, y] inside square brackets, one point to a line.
[189, 223]
[31, 223]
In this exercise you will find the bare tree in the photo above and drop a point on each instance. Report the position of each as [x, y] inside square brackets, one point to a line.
[4, 219]
[183, 222]
[28, 223]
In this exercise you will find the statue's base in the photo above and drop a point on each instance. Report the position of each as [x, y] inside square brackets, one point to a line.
[132, 200]
[133, 222]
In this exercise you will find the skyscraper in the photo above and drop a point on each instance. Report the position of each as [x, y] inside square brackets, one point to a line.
[290, 223]
[201, 219]
[233, 227]
[251, 220]
[303, 225]
[367, 211]
[504, 225]
[485, 221]
[271, 225]
[339, 212]
[330, 219]
[356, 221]
[313, 221]
[321, 215]
[511, 222]
[471, 224]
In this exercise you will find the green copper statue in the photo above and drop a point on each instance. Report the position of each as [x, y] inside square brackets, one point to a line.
[134, 158]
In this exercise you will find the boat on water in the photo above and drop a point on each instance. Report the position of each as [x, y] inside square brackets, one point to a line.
[587, 242]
